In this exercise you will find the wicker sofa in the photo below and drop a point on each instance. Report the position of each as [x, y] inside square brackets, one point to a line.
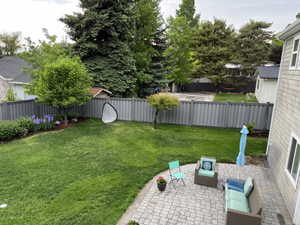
[205, 180]
[253, 216]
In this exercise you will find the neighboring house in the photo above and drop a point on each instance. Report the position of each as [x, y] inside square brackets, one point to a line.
[284, 142]
[100, 93]
[12, 75]
[266, 83]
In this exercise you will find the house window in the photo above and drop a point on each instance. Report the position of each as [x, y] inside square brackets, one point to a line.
[295, 54]
[293, 163]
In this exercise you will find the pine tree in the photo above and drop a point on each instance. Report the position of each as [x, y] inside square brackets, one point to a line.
[253, 45]
[148, 46]
[103, 34]
[187, 9]
[212, 45]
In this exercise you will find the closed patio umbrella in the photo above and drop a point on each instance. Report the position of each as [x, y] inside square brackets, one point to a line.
[240, 160]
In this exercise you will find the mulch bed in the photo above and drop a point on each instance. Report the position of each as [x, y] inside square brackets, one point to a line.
[260, 133]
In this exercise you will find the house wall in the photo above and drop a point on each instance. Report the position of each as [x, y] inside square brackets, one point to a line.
[266, 90]
[286, 120]
[20, 92]
[3, 88]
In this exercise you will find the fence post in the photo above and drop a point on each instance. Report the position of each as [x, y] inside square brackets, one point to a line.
[191, 113]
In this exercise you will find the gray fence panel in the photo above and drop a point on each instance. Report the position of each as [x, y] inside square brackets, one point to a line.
[211, 114]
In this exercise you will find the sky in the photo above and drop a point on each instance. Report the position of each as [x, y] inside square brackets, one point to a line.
[30, 16]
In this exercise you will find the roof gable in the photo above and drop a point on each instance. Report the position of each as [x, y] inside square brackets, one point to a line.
[12, 68]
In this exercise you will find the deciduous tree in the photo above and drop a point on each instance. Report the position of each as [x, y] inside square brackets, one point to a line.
[160, 102]
[188, 10]
[10, 43]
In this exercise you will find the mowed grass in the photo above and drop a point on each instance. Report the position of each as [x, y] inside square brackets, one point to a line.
[90, 173]
[232, 97]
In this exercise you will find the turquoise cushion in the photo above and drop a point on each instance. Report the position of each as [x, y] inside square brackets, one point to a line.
[235, 195]
[248, 186]
[206, 173]
[239, 205]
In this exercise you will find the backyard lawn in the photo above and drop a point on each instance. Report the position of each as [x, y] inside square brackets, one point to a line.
[232, 97]
[90, 173]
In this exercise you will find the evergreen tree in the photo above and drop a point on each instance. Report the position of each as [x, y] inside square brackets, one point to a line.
[212, 45]
[188, 10]
[103, 34]
[148, 46]
[253, 45]
[178, 53]
[298, 16]
[276, 51]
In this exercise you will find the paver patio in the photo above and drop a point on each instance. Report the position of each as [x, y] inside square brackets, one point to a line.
[199, 205]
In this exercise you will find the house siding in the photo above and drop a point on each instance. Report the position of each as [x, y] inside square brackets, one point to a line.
[285, 122]
[266, 91]
[3, 88]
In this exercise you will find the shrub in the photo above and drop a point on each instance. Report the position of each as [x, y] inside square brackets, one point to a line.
[132, 222]
[26, 123]
[73, 115]
[45, 123]
[10, 130]
[10, 95]
[251, 127]
[162, 101]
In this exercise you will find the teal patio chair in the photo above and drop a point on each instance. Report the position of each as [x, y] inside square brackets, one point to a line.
[175, 172]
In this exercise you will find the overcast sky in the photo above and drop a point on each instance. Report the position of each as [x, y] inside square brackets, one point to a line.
[30, 16]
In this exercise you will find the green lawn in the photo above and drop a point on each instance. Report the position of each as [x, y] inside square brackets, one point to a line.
[232, 97]
[90, 173]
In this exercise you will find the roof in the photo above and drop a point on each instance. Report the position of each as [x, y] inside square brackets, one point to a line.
[12, 68]
[201, 80]
[96, 91]
[268, 72]
[290, 30]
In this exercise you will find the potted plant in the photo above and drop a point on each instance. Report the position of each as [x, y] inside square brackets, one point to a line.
[132, 222]
[161, 183]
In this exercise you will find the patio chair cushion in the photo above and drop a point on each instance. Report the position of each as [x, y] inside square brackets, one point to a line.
[235, 195]
[207, 165]
[239, 205]
[235, 185]
[248, 186]
[206, 173]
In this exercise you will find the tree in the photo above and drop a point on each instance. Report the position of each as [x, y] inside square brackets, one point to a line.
[212, 45]
[62, 84]
[276, 51]
[253, 45]
[148, 46]
[10, 95]
[188, 10]
[178, 53]
[161, 102]
[103, 34]
[10, 43]
[298, 16]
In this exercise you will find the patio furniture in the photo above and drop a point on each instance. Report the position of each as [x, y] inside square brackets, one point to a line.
[175, 172]
[243, 206]
[205, 172]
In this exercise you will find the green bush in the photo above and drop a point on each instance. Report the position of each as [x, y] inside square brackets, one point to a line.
[132, 222]
[73, 115]
[26, 123]
[251, 127]
[10, 130]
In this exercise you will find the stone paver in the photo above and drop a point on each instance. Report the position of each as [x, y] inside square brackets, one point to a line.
[199, 205]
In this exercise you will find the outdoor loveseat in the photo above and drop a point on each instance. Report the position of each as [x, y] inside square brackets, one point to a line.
[206, 176]
[243, 207]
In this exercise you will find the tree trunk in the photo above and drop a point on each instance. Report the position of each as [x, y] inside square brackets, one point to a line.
[65, 119]
[155, 119]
